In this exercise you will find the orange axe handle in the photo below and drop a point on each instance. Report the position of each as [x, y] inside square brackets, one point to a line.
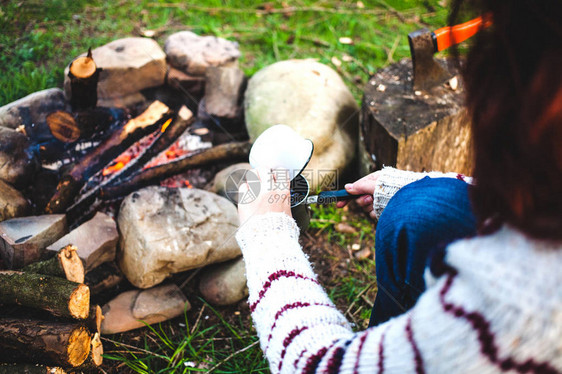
[448, 36]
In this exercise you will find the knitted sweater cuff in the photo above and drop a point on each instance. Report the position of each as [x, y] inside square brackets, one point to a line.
[390, 180]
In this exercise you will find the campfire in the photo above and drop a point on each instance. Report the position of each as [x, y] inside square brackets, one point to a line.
[84, 160]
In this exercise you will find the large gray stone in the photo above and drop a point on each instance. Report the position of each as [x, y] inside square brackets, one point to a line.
[312, 99]
[192, 53]
[17, 161]
[224, 284]
[33, 108]
[129, 66]
[167, 230]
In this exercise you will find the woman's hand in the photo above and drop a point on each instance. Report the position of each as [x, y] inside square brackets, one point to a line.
[272, 195]
[366, 187]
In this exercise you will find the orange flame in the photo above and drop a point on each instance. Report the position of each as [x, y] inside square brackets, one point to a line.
[165, 125]
[119, 164]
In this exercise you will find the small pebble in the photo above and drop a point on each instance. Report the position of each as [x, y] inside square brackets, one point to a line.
[363, 254]
[345, 228]
[356, 247]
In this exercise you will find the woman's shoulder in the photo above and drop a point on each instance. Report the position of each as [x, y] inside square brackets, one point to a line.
[509, 267]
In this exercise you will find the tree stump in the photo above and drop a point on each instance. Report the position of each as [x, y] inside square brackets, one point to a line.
[414, 130]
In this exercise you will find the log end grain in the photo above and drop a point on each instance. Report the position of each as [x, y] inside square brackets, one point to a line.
[79, 303]
[71, 264]
[79, 345]
[83, 67]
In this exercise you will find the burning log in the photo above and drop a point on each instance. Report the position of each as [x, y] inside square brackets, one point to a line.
[29, 369]
[65, 264]
[63, 126]
[49, 343]
[84, 75]
[69, 186]
[56, 295]
[222, 152]
[167, 136]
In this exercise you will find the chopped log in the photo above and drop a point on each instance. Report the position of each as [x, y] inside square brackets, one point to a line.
[103, 278]
[222, 152]
[65, 263]
[135, 129]
[95, 319]
[84, 76]
[49, 343]
[414, 130]
[22, 240]
[56, 295]
[63, 126]
[29, 369]
[94, 359]
[92, 252]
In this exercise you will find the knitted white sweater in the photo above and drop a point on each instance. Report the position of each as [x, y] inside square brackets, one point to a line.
[493, 305]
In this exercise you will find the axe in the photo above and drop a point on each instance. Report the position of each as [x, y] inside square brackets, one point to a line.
[424, 44]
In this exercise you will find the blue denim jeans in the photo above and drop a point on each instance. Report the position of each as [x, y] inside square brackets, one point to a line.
[421, 217]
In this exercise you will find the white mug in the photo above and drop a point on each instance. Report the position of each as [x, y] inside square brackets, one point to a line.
[280, 147]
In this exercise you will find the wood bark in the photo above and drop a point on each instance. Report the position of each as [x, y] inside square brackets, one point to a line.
[84, 76]
[49, 343]
[29, 369]
[56, 295]
[95, 319]
[65, 264]
[414, 130]
[228, 151]
[63, 126]
[135, 129]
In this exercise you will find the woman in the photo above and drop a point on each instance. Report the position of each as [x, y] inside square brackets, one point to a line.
[489, 303]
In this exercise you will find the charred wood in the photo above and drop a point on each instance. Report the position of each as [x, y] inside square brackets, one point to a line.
[228, 151]
[135, 129]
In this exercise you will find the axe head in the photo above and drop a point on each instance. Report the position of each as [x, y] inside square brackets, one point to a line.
[427, 72]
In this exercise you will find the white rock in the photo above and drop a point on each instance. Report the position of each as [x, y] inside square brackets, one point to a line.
[311, 98]
[167, 230]
[192, 53]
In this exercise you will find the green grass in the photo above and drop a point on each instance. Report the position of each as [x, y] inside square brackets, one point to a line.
[40, 37]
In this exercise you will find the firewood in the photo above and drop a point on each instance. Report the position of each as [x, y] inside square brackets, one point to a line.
[103, 278]
[94, 359]
[23, 239]
[168, 135]
[92, 252]
[56, 295]
[135, 129]
[84, 75]
[63, 126]
[95, 319]
[29, 369]
[65, 263]
[49, 343]
[222, 152]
